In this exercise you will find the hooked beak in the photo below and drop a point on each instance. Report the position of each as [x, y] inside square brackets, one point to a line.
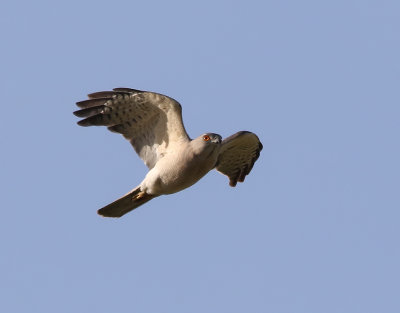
[217, 139]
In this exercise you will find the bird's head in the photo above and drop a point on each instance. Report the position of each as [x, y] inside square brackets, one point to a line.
[206, 143]
[211, 138]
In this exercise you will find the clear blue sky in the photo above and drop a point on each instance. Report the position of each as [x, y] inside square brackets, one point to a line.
[315, 227]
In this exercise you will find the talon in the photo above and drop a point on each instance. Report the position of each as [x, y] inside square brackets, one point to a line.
[139, 196]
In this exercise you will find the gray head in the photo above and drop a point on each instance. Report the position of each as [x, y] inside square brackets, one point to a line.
[211, 138]
[207, 143]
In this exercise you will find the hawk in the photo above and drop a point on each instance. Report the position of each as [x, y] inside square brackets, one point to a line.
[153, 124]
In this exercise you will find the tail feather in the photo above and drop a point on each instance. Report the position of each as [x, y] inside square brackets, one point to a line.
[125, 204]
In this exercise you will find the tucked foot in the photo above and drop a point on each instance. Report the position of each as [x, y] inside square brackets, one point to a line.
[139, 196]
[123, 205]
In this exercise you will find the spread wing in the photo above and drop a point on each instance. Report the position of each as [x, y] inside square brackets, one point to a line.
[237, 156]
[151, 122]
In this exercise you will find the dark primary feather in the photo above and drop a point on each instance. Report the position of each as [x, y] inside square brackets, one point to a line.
[89, 111]
[129, 90]
[238, 154]
[106, 94]
[115, 91]
[86, 104]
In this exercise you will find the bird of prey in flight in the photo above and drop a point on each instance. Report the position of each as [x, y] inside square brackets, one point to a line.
[153, 124]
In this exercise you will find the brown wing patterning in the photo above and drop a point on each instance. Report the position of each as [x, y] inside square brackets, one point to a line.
[238, 154]
[150, 121]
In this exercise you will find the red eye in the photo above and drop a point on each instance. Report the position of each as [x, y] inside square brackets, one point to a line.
[206, 138]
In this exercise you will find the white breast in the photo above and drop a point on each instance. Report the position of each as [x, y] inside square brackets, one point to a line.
[179, 170]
